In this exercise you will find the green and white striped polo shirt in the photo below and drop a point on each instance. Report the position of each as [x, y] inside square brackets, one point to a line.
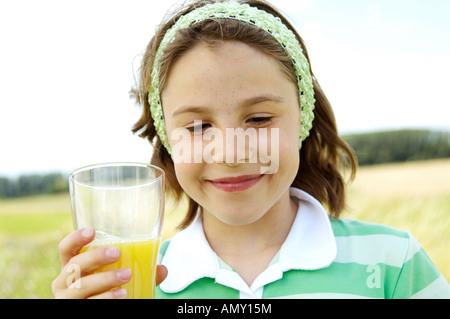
[321, 258]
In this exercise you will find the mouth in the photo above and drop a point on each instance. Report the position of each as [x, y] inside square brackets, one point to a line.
[236, 184]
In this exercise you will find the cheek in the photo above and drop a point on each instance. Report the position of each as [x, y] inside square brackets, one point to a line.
[288, 146]
[183, 172]
[188, 177]
[290, 130]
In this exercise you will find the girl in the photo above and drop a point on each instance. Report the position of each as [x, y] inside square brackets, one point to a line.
[252, 230]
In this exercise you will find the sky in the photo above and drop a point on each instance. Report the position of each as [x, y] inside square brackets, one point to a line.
[66, 68]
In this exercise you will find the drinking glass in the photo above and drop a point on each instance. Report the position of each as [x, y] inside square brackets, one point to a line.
[124, 203]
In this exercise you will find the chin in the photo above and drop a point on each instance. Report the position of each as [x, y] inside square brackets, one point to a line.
[238, 216]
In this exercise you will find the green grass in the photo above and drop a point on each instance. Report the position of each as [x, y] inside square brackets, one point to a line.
[40, 204]
[30, 231]
[413, 197]
[28, 266]
[31, 224]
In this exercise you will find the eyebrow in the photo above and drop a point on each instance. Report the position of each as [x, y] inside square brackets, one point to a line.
[262, 99]
[245, 103]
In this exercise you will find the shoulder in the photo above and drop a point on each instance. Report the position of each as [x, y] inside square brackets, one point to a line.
[372, 244]
[344, 227]
[375, 243]
[407, 270]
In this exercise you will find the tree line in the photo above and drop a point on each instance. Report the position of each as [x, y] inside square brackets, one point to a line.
[33, 184]
[370, 148]
[399, 146]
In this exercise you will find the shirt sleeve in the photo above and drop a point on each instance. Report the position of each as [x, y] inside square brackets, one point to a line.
[419, 278]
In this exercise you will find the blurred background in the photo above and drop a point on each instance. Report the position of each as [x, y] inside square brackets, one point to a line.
[66, 69]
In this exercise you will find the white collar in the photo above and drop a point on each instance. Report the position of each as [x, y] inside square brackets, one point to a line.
[310, 245]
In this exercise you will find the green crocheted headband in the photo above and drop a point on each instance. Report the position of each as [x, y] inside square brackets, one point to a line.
[251, 15]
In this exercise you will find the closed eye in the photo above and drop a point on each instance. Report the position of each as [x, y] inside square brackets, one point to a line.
[260, 121]
[199, 126]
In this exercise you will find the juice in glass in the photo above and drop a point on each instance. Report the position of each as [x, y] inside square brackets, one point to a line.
[139, 256]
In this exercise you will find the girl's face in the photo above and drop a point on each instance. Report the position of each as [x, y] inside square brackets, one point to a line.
[231, 86]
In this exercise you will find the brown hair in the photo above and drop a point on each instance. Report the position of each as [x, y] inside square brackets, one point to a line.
[323, 154]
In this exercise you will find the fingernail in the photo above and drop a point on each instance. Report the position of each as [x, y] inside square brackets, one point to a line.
[112, 252]
[123, 274]
[87, 232]
[120, 293]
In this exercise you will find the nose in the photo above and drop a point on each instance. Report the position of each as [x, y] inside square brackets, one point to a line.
[236, 147]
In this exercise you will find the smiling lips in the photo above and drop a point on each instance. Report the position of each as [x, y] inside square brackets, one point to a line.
[236, 184]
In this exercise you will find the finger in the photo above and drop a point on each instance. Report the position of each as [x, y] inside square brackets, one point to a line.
[92, 259]
[161, 274]
[72, 243]
[96, 284]
[85, 263]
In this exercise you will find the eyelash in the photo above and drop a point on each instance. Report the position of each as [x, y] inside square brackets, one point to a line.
[261, 120]
[203, 126]
[258, 121]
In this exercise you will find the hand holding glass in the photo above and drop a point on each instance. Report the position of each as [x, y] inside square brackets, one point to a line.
[124, 203]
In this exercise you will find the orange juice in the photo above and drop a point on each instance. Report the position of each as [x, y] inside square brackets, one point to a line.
[139, 256]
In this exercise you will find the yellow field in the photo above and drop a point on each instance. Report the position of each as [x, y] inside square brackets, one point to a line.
[413, 196]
